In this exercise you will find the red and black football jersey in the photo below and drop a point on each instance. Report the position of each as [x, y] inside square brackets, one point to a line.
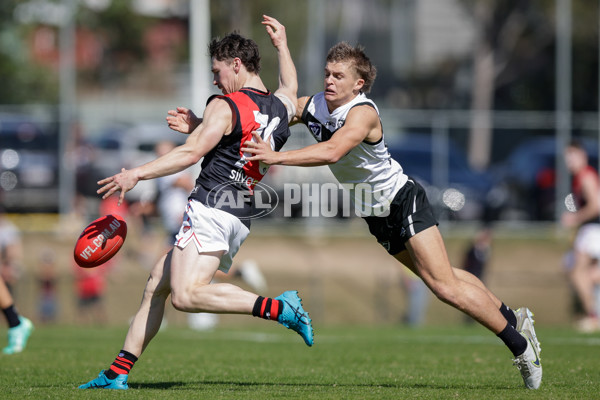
[227, 178]
[578, 190]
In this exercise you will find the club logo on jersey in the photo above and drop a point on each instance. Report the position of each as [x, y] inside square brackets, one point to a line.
[315, 129]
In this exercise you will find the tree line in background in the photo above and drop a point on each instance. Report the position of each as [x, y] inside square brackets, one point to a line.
[117, 46]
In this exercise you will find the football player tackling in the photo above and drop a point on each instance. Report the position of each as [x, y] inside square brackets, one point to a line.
[350, 139]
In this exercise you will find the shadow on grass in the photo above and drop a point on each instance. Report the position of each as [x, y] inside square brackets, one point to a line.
[409, 385]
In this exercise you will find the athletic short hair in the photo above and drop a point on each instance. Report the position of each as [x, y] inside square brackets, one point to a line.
[356, 55]
[234, 45]
[577, 144]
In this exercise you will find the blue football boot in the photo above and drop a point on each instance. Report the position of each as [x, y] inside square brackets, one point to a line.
[102, 382]
[294, 317]
[18, 336]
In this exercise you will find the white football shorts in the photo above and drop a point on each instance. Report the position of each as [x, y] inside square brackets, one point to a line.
[211, 229]
[587, 240]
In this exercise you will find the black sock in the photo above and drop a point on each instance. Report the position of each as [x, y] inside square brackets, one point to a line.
[267, 308]
[513, 339]
[509, 315]
[12, 316]
[122, 365]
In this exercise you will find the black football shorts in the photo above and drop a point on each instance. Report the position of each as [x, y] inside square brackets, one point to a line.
[410, 213]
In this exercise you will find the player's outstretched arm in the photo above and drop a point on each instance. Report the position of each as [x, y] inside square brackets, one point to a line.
[360, 121]
[183, 120]
[217, 122]
[288, 79]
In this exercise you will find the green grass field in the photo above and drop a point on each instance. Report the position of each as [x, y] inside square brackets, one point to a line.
[273, 363]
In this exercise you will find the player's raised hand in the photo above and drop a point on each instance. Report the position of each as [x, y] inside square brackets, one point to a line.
[182, 120]
[122, 182]
[275, 30]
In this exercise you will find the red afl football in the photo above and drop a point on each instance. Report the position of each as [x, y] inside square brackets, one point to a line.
[100, 241]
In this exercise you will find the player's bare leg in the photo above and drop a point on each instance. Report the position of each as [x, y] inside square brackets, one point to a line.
[143, 328]
[6, 299]
[148, 318]
[584, 286]
[472, 279]
[426, 256]
[191, 274]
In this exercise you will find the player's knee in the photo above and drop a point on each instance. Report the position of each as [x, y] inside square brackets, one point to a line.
[181, 300]
[444, 291]
[180, 303]
[187, 298]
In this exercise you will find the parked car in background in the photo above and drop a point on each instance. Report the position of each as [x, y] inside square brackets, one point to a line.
[29, 163]
[455, 190]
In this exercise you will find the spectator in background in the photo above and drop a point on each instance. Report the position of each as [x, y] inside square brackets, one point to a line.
[173, 192]
[47, 280]
[20, 328]
[90, 286]
[584, 215]
[478, 255]
[417, 297]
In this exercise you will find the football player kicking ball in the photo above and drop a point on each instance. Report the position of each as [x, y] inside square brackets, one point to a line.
[211, 236]
[350, 139]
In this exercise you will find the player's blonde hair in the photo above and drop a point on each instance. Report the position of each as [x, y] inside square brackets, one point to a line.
[343, 51]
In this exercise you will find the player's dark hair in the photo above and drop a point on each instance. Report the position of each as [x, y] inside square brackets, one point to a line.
[577, 144]
[234, 45]
[362, 64]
